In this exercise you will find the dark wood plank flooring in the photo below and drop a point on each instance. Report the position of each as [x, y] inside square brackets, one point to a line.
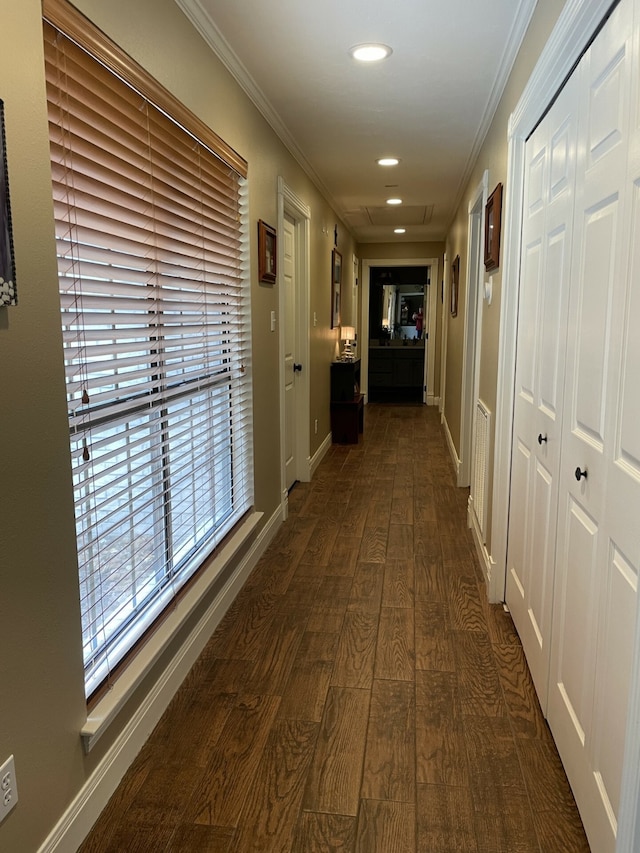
[360, 695]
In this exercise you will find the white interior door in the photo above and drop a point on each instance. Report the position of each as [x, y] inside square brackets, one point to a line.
[542, 317]
[290, 343]
[598, 546]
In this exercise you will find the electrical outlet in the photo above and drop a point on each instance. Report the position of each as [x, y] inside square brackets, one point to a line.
[8, 787]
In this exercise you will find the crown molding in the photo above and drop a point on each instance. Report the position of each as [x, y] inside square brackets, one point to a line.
[516, 36]
[207, 28]
[576, 26]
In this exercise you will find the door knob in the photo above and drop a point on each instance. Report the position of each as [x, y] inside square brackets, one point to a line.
[297, 368]
[580, 474]
[541, 438]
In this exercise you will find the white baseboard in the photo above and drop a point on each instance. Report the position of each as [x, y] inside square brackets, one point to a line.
[319, 455]
[452, 448]
[486, 562]
[84, 810]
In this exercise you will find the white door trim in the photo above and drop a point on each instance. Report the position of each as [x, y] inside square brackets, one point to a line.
[445, 284]
[576, 26]
[430, 367]
[472, 328]
[430, 343]
[293, 206]
[355, 317]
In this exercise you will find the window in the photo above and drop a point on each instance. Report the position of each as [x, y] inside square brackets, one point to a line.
[150, 216]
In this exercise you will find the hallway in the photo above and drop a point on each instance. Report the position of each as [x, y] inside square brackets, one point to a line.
[360, 695]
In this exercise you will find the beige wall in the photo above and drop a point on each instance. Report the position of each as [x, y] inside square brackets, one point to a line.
[399, 251]
[41, 682]
[41, 685]
[492, 157]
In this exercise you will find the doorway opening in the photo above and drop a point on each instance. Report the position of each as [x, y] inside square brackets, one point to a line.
[294, 218]
[432, 267]
[398, 323]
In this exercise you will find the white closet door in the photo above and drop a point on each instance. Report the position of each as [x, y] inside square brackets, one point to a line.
[542, 318]
[598, 546]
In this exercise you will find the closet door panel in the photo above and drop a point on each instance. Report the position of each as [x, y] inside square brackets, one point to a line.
[621, 516]
[552, 336]
[597, 548]
[594, 286]
[615, 654]
[521, 465]
[628, 438]
[540, 583]
[528, 324]
[574, 651]
[547, 225]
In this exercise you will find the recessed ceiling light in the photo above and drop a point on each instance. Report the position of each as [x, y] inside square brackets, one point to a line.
[370, 52]
[399, 230]
[394, 201]
[388, 161]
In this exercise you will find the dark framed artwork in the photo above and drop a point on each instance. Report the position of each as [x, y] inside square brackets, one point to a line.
[7, 264]
[267, 246]
[455, 282]
[336, 286]
[492, 223]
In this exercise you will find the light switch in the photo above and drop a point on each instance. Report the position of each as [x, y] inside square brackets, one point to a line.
[273, 321]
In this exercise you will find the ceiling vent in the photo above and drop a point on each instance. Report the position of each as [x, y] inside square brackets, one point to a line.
[386, 217]
[405, 215]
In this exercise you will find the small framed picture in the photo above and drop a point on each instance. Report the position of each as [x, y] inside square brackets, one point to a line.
[455, 281]
[7, 264]
[336, 285]
[492, 222]
[266, 253]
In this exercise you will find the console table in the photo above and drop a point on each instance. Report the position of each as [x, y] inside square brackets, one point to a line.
[347, 403]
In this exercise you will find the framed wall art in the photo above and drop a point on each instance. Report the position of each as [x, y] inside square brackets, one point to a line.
[455, 281]
[267, 245]
[492, 222]
[7, 264]
[336, 285]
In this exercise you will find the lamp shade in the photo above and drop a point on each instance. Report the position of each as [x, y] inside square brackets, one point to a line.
[348, 333]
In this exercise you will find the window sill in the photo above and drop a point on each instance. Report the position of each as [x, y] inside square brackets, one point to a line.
[108, 707]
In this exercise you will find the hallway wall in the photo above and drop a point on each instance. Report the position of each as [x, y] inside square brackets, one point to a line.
[41, 679]
[492, 157]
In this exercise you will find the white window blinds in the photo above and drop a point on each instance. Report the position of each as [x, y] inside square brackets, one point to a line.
[151, 244]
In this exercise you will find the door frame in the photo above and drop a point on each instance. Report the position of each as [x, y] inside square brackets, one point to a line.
[444, 287]
[290, 204]
[577, 24]
[472, 329]
[430, 344]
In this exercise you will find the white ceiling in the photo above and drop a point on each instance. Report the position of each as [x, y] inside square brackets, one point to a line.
[430, 103]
